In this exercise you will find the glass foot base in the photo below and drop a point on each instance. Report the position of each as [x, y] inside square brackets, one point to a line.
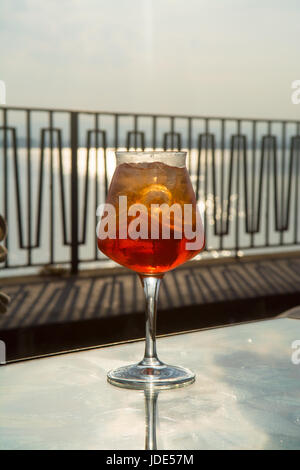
[139, 376]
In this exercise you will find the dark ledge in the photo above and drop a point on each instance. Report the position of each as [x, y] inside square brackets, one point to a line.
[50, 314]
[39, 340]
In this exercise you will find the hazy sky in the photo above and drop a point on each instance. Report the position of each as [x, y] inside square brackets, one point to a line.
[205, 57]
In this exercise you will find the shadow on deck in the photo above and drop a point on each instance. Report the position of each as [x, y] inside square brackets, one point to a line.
[50, 314]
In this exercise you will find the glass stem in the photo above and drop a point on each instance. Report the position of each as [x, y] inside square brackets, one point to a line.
[151, 287]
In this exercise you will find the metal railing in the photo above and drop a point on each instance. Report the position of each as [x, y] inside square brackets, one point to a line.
[55, 168]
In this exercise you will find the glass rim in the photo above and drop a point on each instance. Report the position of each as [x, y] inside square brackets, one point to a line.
[150, 152]
[168, 157]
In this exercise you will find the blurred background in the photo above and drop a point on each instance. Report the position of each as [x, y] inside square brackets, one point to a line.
[195, 57]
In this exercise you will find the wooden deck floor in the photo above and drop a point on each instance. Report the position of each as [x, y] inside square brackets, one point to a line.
[92, 295]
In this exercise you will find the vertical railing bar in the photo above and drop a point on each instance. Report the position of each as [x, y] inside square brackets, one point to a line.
[289, 186]
[253, 186]
[237, 225]
[179, 145]
[230, 176]
[222, 182]
[172, 132]
[297, 176]
[283, 217]
[278, 226]
[268, 193]
[116, 132]
[51, 189]
[135, 131]
[28, 139]
[96, 183]
[74, 191]
[246, 191]
[297, 187]
[104, 144]
[62, 190]
[154, 132]
[261, 178]
[17, 187]
[199, 150]
[206, 180]
[214, 180]
[190, 144]
[5, 164]
[86, 187]
[297, 194]
[268, 186]
[293, 141]
[40, 190]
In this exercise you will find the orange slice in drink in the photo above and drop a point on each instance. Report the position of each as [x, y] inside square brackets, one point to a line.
[155, 194]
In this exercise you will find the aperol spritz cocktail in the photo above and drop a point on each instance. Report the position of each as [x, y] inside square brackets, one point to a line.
[151, 224]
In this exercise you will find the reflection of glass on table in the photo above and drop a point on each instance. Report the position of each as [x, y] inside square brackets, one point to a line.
[151, 396]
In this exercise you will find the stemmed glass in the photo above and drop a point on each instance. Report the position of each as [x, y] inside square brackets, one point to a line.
[150, 224]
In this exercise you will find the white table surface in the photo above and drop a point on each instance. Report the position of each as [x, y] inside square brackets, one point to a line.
[246, 395]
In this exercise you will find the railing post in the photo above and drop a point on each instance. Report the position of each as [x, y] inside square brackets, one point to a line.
[74, 193]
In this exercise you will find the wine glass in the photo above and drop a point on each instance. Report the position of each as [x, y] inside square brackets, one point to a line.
[150, 224]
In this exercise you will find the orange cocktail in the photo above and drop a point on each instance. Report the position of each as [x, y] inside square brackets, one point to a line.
[151, 184]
